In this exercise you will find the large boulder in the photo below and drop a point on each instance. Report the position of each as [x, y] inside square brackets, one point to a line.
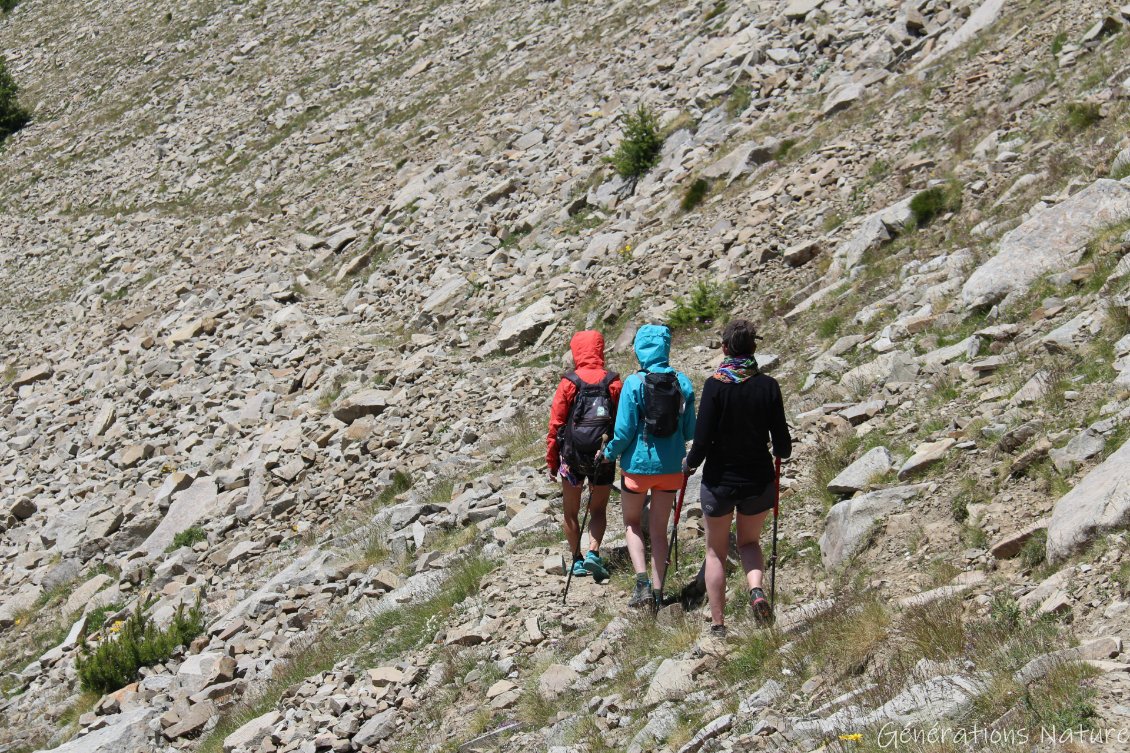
[364, 403]
[524, 327]
[1100, 502]
[1051, 241]
[859, 475]
[127, 732]
[850, 521]
[197, 502]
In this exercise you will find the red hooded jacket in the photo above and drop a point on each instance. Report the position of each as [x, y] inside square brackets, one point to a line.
[588, 359]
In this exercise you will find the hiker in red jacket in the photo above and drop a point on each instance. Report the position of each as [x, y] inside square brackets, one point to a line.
[581, 419]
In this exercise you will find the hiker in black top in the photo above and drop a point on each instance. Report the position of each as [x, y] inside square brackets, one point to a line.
[741, 410]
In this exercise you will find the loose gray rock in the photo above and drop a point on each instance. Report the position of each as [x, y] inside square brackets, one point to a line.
[859, 475]
[1100, 502]
[850, 521]
[1051, 241]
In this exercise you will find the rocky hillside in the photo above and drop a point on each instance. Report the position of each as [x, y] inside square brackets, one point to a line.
[286, 291]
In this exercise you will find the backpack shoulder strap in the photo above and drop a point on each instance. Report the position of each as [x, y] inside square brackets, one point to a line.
[575, 380]
[609, 378]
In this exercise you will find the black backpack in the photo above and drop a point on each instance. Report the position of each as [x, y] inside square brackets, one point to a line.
[591, 420]
[663, 403]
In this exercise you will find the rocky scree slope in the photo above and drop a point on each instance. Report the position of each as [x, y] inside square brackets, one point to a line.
[260, 259]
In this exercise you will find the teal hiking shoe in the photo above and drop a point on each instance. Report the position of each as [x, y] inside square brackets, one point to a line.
[596, 565]
[579, 570]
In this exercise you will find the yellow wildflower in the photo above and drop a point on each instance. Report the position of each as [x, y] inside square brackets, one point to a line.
[856, 737]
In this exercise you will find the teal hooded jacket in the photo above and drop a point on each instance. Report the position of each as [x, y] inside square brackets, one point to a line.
[646, 454]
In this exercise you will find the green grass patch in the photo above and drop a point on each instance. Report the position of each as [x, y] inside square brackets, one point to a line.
[396, 631]
[739, 99]
[1058, 42]
[188, 537]
[98, 616]
[829, 327]
[401, 482]
[694, 194]
[1079, 116]
[1035, 550]
[934, 202]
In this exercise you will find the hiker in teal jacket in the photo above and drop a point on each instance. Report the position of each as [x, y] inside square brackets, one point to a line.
[650, 463]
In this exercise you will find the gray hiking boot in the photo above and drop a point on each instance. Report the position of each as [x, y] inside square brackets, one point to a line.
[641, 596]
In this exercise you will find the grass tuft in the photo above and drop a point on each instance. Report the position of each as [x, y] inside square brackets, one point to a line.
[694, 195]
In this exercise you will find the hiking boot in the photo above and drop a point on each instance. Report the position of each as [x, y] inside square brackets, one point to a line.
[641, 596]
[596, 566]
[762, 612]
[713, 643]
[579, 570]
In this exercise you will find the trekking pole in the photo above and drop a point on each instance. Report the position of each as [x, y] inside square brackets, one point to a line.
[773, 556]
[673, 543]
[581, 530]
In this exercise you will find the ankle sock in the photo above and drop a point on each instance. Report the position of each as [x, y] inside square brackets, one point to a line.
[641, 577]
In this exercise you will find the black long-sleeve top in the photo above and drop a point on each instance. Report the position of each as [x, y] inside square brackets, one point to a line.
[735, 423]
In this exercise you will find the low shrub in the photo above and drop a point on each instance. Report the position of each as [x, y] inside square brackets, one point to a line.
[639, 148]
[694, 195]
[1058, 42]
[13, 116]
[8, 5]
[1079, 116]
[115, 662]
[97, 617]
[188, 537]
[707, 303]
[739, 99]
[934, 202]
[1035, 549]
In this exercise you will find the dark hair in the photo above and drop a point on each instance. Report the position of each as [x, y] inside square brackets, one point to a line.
[740, 337]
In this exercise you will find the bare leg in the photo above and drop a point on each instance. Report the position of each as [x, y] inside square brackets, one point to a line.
[632, 505]
[717, 547]
[572, 505]
[598, 516]
[660, 514]
[749, 547]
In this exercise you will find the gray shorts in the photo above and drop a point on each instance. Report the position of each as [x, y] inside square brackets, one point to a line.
[746, 499]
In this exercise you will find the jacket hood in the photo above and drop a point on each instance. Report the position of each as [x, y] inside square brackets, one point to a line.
[653, 346]
[588, 350]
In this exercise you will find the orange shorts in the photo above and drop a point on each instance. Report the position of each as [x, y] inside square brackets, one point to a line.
[640, 483]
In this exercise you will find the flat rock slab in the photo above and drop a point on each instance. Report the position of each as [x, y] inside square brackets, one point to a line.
[249, 735]
[555, 680]
[1052, 241]
[925, 455]
[1099, 503]
[127, 732]
[194, 504]
[524, 327]
[673, 681]
[1009, 545]
[849, 522]
[1083, 446]
[865, 469]
[363, 403]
